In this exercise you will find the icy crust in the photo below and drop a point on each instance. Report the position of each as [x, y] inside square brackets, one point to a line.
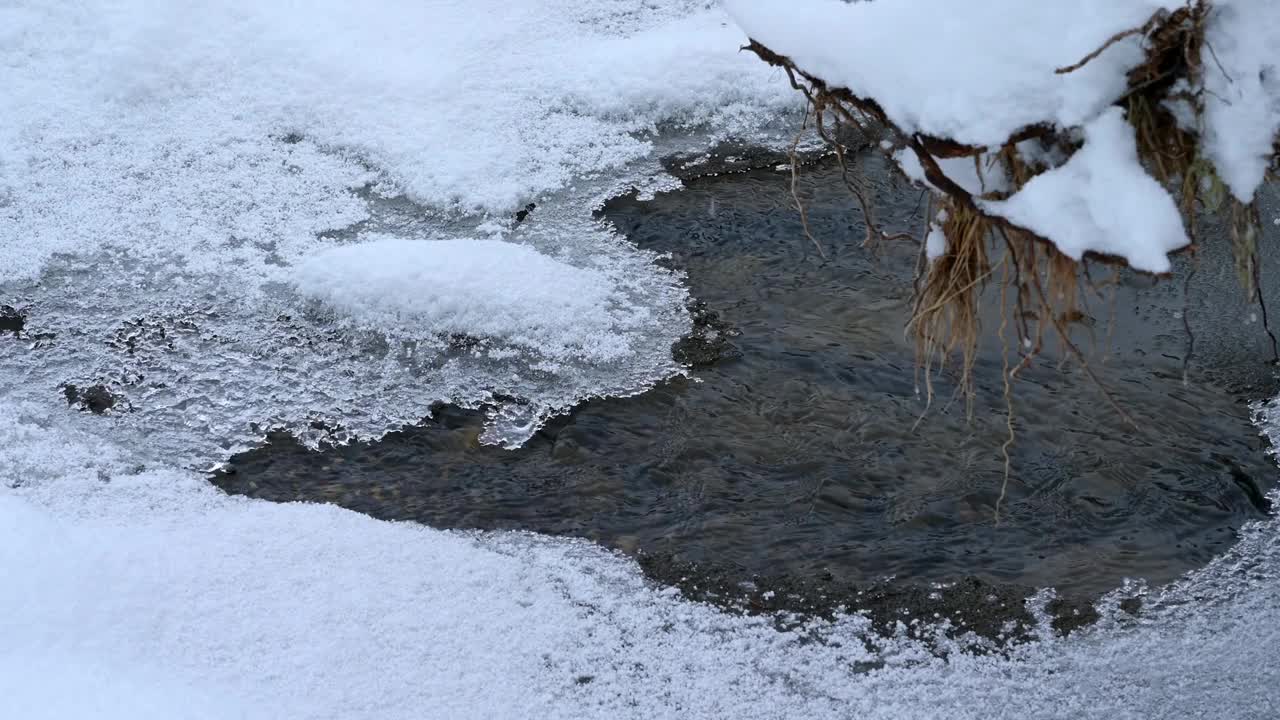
[1101, 200]
[205, 368]
[132, 593]
[974, 73]
[170, 173]
[272, 285]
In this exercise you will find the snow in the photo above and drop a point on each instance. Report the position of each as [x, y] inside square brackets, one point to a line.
[146, 593]
[477, 114]
[243, 215]
[1242, 98]
[1101, 200]
[166, 168]
[935, 243]
[988, 71]
[975, 75]
[481, 288]
[978, 176]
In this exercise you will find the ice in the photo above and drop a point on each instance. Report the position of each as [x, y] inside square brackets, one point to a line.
[137, 589]
[486, 290]
[1101, 200]
[206, 366]
[167, 168]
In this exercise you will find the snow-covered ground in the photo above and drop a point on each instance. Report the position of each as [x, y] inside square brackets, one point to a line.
[173, 164]
[199, 202]
[141, 595]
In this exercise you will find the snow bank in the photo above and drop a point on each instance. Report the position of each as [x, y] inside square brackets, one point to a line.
[1242, 102]
[481, 114]
[981, 73]
[975, 72]
[479, 288]
[148, 594]
[1101, 200]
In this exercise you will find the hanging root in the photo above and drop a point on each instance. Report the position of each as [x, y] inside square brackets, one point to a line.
[944, 318]
[1042, 290]
[1006, 376]
[795, 184]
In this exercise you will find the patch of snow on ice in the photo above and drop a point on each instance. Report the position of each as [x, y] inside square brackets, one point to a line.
[975, 72]
[1101, 200]
[1241, 68]
[478, 288]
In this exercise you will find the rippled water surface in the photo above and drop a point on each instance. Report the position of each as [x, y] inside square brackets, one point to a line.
[806, 450]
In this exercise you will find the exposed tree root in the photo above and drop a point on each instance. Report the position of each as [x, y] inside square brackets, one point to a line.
[1044, 287]
[1046, 284]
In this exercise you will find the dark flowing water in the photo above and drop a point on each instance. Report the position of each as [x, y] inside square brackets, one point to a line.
[798, 453]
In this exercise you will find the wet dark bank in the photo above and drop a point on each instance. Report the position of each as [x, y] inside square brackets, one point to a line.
[794, 460]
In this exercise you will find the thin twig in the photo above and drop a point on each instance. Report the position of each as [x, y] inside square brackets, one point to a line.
[1110, 41]
[795, 181]
[1186, 318]
[1008, 391]
[1065, 336]
[1216, 61]
[1262, 305]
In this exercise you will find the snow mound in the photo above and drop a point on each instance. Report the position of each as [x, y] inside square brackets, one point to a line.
[476, 288]
[1101, 200]
[137, 588]
[983, 73]
[974, 73]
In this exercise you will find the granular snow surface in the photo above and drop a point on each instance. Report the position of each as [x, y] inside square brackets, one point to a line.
[140, 594]
[179, 182]
[241, 215]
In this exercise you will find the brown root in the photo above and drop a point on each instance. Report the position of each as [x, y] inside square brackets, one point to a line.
[944, 317]
[1042, 291]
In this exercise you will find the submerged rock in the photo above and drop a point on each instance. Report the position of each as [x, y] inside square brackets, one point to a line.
[996, 612]
[522, 214]
[12, 320]
[708, 343]
[97, 399]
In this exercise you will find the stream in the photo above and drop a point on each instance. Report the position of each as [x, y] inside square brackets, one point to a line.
[801, 451]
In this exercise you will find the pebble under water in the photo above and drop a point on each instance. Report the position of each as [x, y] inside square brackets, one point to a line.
[801, 447]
